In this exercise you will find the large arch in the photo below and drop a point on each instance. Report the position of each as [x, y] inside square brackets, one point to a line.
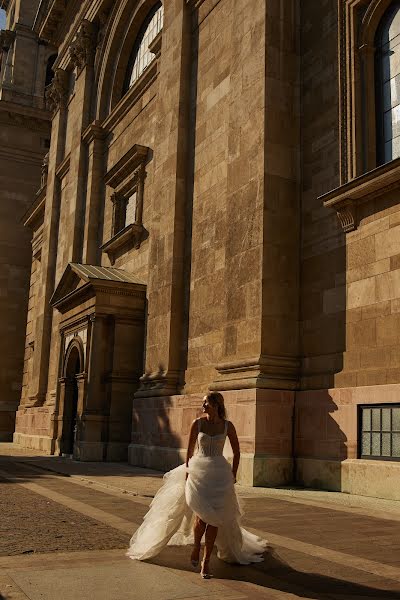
[124, 26]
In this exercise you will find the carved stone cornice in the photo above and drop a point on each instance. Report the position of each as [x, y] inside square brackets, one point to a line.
[262, 372]
[94, 132]
[134, 234]
[160, 383]
[29, 120]
[83, 49]
[126, 166]
[7, 38]
[371, 185]
[56, 92]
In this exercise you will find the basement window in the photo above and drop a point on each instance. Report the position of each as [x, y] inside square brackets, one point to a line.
[379, 431]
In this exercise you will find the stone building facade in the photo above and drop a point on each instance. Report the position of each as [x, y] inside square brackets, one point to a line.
[220, 212]
[25, 127]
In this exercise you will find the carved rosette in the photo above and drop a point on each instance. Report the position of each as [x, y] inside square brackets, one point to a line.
[83, 49]
[56, 92]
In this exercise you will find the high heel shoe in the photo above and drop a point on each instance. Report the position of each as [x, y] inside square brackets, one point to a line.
[202, 573]
[195, 561]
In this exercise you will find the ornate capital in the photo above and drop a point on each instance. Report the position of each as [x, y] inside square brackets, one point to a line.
[56, 92]
[7, 38]
[83, 48]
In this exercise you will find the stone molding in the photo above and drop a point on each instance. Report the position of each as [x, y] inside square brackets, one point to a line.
[156, 44]
[63, 167]
[263, 372]
[118, 174]
[94, 132]
[82, 51]
[24, 120]
[56, 92]
[145, 81]
[35, 213]
[159, 383]
[371, 185]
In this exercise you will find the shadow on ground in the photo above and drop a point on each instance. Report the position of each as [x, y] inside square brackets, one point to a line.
[276, 574]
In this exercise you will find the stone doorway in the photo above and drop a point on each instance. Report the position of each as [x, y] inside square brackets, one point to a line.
[70, 418]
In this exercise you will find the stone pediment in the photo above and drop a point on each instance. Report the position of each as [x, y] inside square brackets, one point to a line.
[82, 281]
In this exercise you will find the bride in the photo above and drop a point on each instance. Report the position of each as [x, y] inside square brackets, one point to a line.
[198, 499]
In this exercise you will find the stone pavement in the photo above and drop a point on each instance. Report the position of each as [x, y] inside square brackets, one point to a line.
[78, 518]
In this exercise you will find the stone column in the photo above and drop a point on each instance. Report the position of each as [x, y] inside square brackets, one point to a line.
[92, 394]
[165, 360]
[56, 102]
[259, 367]
[94, 137]
[82, 53]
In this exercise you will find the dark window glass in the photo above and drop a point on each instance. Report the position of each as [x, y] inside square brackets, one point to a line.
[387, 59]
[379, 431]
[141, 56]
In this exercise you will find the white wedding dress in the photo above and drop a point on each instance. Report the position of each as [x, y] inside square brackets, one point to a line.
[209, 493]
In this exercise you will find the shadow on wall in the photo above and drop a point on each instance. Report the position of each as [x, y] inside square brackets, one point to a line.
[160, 430]
[320, 443]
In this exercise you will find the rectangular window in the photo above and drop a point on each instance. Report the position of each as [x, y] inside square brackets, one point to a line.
[130, 211]
[379, 427]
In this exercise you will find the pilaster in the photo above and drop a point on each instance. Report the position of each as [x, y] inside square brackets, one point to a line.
[56, 102]
[93, 137]
[165, 362]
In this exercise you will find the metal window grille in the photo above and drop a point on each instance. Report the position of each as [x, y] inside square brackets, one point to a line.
[379, 427]
[142, 56]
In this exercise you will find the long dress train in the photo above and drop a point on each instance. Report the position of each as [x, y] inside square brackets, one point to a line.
[208, 493]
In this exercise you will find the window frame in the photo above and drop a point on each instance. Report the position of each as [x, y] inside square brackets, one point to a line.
[358, 23]
[379, 99]
[360, 409]
[127, 85]
[124, 178]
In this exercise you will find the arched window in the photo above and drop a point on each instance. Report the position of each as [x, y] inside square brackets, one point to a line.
[141, 56]
[387, 61]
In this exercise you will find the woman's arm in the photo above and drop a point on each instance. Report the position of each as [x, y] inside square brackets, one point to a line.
[233, 438]
[192, 442]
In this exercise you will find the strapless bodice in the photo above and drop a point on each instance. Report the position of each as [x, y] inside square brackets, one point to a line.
[211, 445]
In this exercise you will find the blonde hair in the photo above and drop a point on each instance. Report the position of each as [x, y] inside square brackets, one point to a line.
[217, 399]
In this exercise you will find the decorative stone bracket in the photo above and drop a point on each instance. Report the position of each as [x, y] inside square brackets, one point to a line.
[56, 92]
[370, 186]
[83, 49]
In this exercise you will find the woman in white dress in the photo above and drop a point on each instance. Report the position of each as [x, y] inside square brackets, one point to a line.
[198, 499]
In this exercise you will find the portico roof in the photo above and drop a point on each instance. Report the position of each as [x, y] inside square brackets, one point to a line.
[78, 279]
[89, 272]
